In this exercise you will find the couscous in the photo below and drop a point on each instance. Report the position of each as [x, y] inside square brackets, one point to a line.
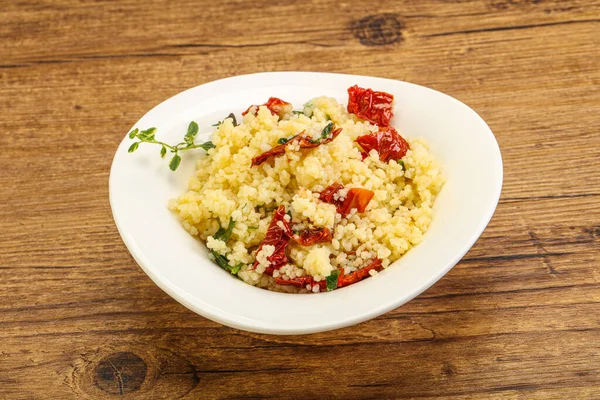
[311, 200]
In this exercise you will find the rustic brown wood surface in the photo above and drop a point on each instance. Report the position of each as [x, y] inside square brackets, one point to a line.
[518, 317]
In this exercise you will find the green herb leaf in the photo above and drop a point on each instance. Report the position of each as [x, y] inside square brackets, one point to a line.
[401, 162]
[224, 263]
[175, 161]
[220, 260]
[324, 133]
[252, 228]
[191, 133]
[283, 140]
[192, 129]
[332, 280]
[236, 269]
[133, 147]
[148, 134]
[133, 133]
[207, 146]
[225, 234]
[267, 209]
[309, 109]
[232, 116]
[296, 112]
[327, 130]
[163, 151]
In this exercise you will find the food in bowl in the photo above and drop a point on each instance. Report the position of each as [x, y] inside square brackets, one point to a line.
[310, 200]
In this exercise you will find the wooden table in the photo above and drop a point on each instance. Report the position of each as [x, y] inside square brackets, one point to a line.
[518, 317]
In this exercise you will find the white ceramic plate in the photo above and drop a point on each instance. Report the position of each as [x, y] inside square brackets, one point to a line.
[141, 185]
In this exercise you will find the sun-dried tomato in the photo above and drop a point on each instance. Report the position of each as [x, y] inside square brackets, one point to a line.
[388, 143]
[308, 237]
[359, 275]
[302, 282]
[275, 105]
[356, 198]
[342, 281]
[275, 151]
[279, 237]
[304, 141]
[375, 107]
[328, 195]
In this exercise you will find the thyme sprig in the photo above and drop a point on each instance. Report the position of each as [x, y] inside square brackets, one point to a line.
[148, 136]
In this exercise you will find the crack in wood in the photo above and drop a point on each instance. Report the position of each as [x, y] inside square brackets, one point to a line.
[407, 315]
[515, 257]
[245, 45]
[119, 377]
[510, 28]
[544, 253]
[125, 370]
[523, 290]
[547, 197]
[434, 336]
[366, 385]
[162, 54]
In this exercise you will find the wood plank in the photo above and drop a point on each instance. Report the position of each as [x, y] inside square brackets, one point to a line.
[477, 367]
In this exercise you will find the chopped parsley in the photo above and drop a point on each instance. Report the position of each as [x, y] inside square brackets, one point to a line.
[324, 133]
[224, 263]
[232, 116]
[285, 140]
[332, 280]
[236, 269]
[224, 234]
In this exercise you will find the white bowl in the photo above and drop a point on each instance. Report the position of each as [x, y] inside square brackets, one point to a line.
[141, 185]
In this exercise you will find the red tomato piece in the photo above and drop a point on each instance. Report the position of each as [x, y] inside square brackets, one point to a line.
[356, 198]
[275, 105]
[327, 195]
[278, 237]
[375, 107]
[304, 141]
[360, 274]
[388, 143]
[308, 237]
[301, 282]
[275, 151]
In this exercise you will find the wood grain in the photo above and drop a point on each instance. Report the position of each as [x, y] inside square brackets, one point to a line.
[517, 318]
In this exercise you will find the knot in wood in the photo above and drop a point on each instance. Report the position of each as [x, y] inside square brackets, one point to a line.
[120, 373]
[378, 29]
